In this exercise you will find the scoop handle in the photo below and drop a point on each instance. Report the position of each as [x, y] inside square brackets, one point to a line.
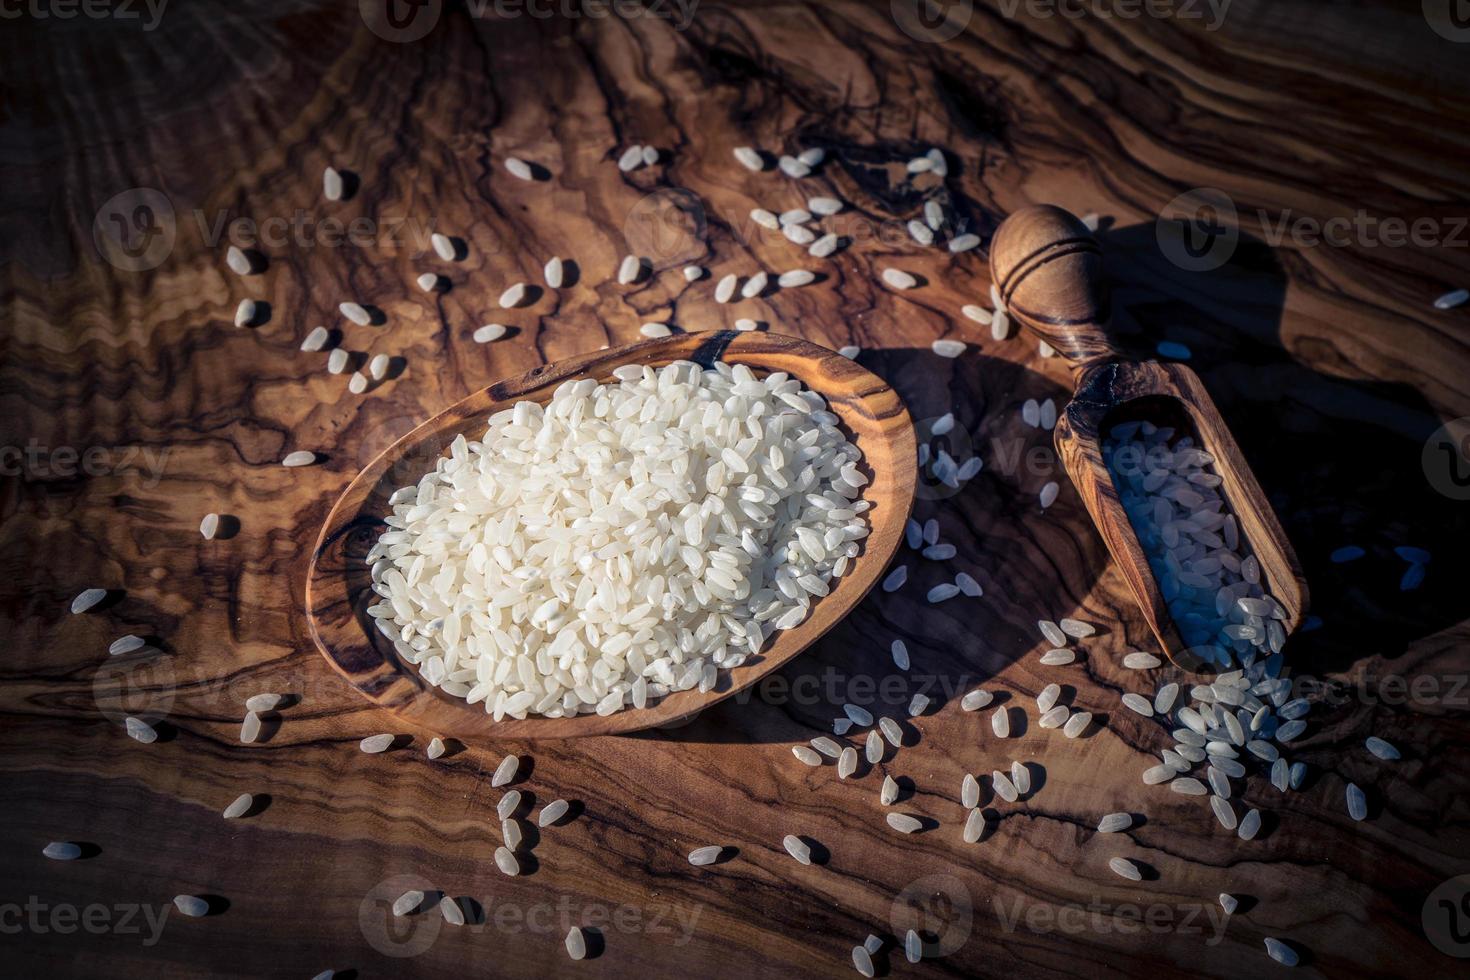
[1048, 270]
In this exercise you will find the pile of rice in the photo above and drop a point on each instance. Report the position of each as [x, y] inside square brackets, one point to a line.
[624, 541]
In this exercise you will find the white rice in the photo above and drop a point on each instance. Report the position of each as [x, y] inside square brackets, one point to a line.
[358, 383]
[576, 943]
[1281, 953]
[332, 186]
[798, 234]
[245, 313]
[631, 159]
[754, 286]
[895, 579]
[513, 296]
[976, 699]
[1357, 802]
[847, 762]
[1138, 660]
[766, 219]
[824, 246]
[806, 755]
[488, 333]
[140, 730]
[86, 599]
[519, 168]
[1059, 657]
[375, 744]
[725, 288]
[1000, 722]
[250, 728]
[436, 748]
[1125, 868]
[238, 261]
[62, 851]
[126, 644]
[862, 961]
[554, 272]
[750, 159]
[899, 279]
[873, 748]
[449, 908]
[508, 804]
[792, 167]
[443, 246]
[1382, 749]
[261, 703]
[724, 510]
[823, 205]
[239, 807]
[337, 361]
[506, 771]
[630, 270]
[1452, 299]
[797, 848]
[904, 823]
[794, 216]
[654, 330]
[889, 792]
[506, 862]
[794, 278]
[974, 830]
[1003, 787]
[1077, 724]
[355, 312]
[301, 457]
[191, 905]
[316, 339]
[963, 243]
[1113, 823]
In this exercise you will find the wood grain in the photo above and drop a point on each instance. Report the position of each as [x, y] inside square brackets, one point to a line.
[339, 589]
[1327, 361]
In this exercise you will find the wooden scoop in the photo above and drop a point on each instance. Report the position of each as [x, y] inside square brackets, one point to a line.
[338, 586]
[1048, 270]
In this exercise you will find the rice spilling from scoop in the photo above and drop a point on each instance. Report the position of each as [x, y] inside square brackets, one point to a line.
[625, 541]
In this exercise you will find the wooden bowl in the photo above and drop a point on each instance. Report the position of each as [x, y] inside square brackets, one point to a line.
[338, 585]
